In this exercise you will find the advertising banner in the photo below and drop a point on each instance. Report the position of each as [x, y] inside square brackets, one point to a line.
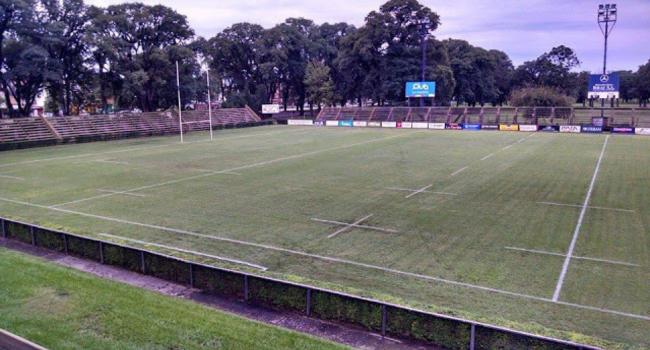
[598, 121]
[642, 131]
[421, 89]
[623, 130]
[300, 122]
[570, 128]
[406, 125]
[419, 125]
[592, 129]
[271, 109]
[509, 127]
[374, 124]
[454, 126]
[331, 123]
[398, 124]
[437, 126]
[388, 124]
[549, 128]
[604, 86]
[526, 127]
[346, 123]
[360, 123]
[489, 127]
[471, 126]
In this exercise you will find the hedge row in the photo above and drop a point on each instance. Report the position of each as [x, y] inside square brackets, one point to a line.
[400, 322]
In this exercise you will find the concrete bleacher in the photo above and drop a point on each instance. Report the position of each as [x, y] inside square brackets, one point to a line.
[25, 131]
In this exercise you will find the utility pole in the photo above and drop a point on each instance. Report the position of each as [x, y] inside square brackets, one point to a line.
[607, 14]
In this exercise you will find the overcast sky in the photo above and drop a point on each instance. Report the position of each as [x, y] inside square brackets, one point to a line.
[524, 29]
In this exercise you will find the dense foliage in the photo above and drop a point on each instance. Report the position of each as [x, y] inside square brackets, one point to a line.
[123, 57]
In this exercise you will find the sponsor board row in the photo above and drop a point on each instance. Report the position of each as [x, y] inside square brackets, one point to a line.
[455, 126]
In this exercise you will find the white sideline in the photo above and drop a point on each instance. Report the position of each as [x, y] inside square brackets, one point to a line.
[349, 226]
[410, 190]
[576, 232]
[137, 149]
[332, 259]
[506, 147]
[374, 228]
[419, 191]
[109, 161]
[488, 156]
[225, 171]
[589, 207]
[459, 171]
[543, 252]
[240, 262]
[11, 177]
[124, 193]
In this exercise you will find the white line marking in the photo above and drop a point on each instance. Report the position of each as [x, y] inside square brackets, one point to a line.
[138, 149]
[521, 140]
[11, 177]
[248, 166]
[385, 338]
[576, 232]
[506, 147]
[389, 230]
[535, 251]
[410, 190]
[349, 226]
[124, 193]
[419, 191]
[109, 161]
[211, 171]
[459, 171]
[488, 156]
[331, 259]
[589, 206]
[260, 267]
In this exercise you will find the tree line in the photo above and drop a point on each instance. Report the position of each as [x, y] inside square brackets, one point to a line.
[124, 55]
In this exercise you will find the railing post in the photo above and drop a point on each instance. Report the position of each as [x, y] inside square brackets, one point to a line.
[3, 227]
[65, 243]
[245, 287]
[383, 320]
[101, 252]
[472, 337]
[31, 233]
[191, 275]
[308, 308]
[144, 269]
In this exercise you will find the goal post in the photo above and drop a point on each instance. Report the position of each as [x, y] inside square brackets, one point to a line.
[189, 123]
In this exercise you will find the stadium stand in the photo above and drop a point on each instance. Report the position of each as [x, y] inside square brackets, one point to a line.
[28, 132]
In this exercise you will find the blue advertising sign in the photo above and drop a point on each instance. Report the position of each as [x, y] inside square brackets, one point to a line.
[421, 89]
[347, 123]
[472, 126]
[592, 129]
[604, 85]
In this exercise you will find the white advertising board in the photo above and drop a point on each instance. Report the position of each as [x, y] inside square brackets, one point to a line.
[437, 126]
[271, 109]
[407, 125]
[570, 128]
[642, 131]
[388, 124]
[374, 124]
[361, 123]
[525, 127]
[331, 123]
[420, 125]
[300, 122]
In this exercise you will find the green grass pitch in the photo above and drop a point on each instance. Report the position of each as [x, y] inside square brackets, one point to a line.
[472, 224]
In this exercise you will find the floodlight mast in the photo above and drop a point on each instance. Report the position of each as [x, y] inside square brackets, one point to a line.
[607, 14]
[207, 76]
[424, 33]
[178, 90]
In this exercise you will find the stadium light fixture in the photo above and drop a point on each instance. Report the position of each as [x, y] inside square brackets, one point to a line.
[424, 27]
[607, 17]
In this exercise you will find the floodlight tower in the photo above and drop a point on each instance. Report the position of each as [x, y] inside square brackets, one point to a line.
[425, 27]
[607, 15]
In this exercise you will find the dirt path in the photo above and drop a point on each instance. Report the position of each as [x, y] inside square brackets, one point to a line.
[344, 334]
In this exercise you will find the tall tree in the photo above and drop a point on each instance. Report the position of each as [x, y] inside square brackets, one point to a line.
[552, 69]
[318, 83]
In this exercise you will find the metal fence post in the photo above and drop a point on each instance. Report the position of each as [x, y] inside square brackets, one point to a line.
[144, 269]
[31, 233]
[3, 227]
[383, 320]
[308, 309]
[65, 243]
[191, 275]
[472, 337]
[246, 287]
[101, 252]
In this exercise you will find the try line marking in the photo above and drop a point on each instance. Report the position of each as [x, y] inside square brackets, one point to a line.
[421, 190]
[589, 207]
[231, 170]
[333, 259]
[576, 232]
[459, 171]
[543, 252]
[11, 177]
[240, 262]
[109, 161]
[120, 192]
[356, 224]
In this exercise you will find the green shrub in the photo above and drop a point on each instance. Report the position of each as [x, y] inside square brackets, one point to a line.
[219, 282]
[446, 333]
[19, 232]
[123, 257]
[339, 308]
[488, 339]
[84, 248]
[49, 239]
[167, 268]
[277, 295]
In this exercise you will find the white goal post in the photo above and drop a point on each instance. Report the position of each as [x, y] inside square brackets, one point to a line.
[180, 113]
